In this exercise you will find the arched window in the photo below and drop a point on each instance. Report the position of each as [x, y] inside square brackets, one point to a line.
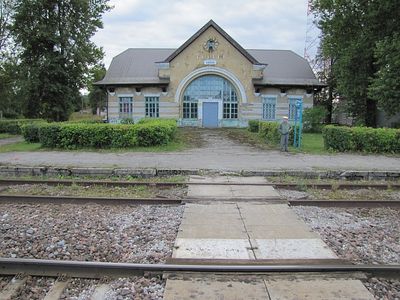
[206, 87]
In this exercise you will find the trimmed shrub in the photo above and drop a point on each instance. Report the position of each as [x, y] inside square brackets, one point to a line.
[78, 135]
[337, 138]
[88, 121]
[270, 131]
[254, 125]
[30, 131]
[127, 121]
[364, 139]
[13, 126]
[153, 132]
[49, 134]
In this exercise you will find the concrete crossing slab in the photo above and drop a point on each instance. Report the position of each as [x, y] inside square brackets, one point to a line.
[213, 248]
[210, 289]
[281, 232]
[292, 249]
[211, 219]
[212, 231]
[227, 179]
[316, 289]
[231, 192]
[214, 208]
[262, 218]
[251, 231]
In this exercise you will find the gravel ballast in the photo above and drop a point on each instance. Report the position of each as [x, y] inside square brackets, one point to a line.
[35, 288]
[360, 235]
[91, 232]
[136, 287]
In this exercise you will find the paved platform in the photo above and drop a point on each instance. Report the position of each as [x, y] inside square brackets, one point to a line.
[217, 152]
[232, 230]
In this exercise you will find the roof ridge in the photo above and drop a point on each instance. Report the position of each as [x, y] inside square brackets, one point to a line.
[253, 49]
[211, 23]
[150, 48]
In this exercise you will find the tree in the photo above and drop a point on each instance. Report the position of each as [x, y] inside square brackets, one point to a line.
[56, 52]
[97, 95]
[6, 14]
[351, 30]
[385, 86]
[11, 91]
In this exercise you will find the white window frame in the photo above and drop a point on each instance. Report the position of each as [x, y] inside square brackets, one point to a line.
[157, 107]
[121, 113]
[266, 100]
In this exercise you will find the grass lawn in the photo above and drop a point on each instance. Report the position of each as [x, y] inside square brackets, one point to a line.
[20, 146]
[312, 143]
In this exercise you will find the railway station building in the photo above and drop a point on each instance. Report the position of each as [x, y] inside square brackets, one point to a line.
[209, 81]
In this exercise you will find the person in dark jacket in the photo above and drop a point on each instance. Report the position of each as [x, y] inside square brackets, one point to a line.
[284, 129]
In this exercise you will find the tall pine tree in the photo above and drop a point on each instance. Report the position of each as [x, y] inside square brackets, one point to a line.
[56, 52]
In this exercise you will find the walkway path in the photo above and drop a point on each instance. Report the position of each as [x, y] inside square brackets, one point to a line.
[231, 230]
[218, 153]
[11, 140]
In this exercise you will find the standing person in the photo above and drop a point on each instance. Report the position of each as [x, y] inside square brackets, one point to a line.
[284, 129]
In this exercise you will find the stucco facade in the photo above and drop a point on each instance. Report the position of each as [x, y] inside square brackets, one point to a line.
[243, 84]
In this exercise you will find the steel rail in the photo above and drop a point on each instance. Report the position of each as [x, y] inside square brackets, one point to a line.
[345, 203]
[37, 267]
[316, 185]
[69, 182]
[174, 201]
[84, 200]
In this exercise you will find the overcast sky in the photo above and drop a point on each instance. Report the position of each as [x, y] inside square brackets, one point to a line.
[255, 24]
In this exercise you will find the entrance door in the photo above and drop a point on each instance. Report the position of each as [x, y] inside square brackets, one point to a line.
[210, 114]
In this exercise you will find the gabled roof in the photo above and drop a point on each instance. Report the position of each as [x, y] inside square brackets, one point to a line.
[138, 66]
[135, 66]
[209, 24]
[284, 67]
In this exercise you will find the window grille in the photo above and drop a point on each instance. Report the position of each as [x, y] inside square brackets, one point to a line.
[125, 107]
[210, 87]
[269, 108]
[152, 107]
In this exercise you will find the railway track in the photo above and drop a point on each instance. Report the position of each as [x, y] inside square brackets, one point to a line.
[101, 274]
[39, 199]
[97, 270]
[36, 199]
[279, 185]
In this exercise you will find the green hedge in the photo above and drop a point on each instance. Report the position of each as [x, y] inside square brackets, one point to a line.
[254, 125]
[13, 126]
[270, 132]
[364, 139]
[155, 132]
[78, 135]
[30, 131]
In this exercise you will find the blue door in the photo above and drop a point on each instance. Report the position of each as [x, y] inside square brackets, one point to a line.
[210, 114]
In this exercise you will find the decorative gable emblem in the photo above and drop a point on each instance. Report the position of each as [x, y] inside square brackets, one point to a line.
[211, 44]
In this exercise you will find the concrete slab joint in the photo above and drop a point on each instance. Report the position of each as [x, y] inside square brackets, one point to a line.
[251, 231]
